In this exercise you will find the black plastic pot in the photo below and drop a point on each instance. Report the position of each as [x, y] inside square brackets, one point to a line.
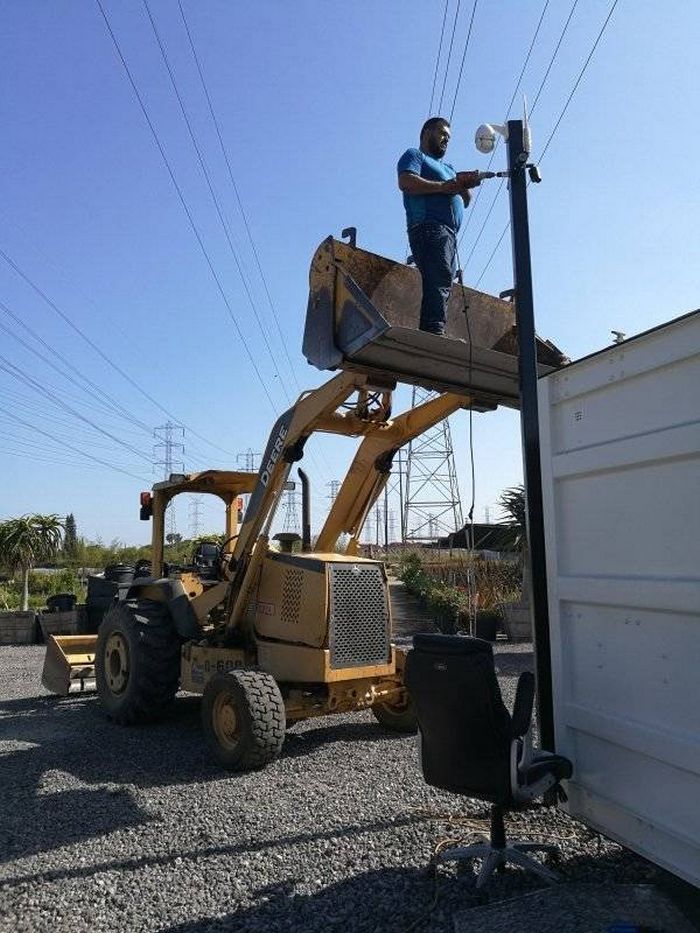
[61, 602]
[487, 625]
[119, 573]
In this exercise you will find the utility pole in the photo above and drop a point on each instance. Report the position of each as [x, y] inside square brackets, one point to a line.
[518, 152]
[251, 463]
[291, 518]
[250, 459]
[194, 507]
[432, 490]
[169, 454]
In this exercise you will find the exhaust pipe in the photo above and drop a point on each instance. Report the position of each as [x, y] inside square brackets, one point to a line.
[305, 511]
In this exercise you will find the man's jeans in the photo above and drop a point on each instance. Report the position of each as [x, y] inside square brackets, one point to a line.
[434, 248]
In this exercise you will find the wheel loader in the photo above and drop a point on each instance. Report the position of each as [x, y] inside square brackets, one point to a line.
[267, 636]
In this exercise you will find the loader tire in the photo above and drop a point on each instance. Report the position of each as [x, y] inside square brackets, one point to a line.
[400, 717]
[137, 664]
[243, 717]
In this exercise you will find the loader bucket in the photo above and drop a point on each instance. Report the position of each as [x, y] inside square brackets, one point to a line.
[69, 663]
[363, 316]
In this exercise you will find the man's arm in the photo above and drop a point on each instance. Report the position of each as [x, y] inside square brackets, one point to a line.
[414, 184]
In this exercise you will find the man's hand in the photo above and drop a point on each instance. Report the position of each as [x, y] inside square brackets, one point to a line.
[468, 180]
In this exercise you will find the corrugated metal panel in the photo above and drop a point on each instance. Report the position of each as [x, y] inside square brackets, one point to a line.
[620, 435]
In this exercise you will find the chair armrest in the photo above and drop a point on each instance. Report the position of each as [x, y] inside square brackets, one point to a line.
[524, 701]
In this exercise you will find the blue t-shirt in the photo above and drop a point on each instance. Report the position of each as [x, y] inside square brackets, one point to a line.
[438, 208]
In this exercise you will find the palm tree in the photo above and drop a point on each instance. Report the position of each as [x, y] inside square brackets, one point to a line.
[512, 502]
[27, 540]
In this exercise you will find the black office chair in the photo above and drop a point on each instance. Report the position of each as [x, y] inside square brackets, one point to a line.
[471, 745]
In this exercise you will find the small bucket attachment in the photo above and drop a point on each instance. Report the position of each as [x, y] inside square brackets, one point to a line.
[363, 316]
[69, 663]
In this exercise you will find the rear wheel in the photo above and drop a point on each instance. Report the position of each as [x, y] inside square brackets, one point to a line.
[137, 663]
[243, 717]
[399, 717]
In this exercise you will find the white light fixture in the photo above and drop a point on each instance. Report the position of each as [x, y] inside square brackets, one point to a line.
[485, 138]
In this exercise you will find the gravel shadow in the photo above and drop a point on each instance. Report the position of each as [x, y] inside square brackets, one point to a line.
[367, 903]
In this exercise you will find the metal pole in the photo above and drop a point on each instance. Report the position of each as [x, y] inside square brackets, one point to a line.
[529, 424]
[386, 520]
[403, 523]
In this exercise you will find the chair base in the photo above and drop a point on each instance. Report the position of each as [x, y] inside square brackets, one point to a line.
[494, 857]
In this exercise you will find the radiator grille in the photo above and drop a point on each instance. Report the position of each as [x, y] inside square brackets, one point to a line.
[359, 616]
[291, 596]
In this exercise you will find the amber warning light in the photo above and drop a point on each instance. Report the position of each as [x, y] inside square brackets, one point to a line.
[146, 506]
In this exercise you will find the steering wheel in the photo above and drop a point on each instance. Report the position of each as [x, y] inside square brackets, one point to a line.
[223, 562]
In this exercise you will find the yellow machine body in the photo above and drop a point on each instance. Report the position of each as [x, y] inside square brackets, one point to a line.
[320, 623]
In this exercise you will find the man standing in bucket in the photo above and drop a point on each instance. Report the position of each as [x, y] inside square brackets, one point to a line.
[434, 196]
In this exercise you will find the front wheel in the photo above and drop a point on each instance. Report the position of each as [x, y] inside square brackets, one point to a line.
[399, 717]
[137, 662]
[243, 717]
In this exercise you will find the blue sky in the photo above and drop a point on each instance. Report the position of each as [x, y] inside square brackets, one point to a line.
[315, 101]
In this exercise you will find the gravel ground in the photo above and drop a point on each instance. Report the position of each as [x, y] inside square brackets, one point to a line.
[111, 829]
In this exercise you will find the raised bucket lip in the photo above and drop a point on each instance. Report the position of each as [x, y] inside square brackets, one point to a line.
[362, 317]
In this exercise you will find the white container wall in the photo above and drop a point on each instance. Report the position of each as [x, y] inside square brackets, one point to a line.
[620, 436]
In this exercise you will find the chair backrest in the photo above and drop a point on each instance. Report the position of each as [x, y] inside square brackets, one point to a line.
[465, 728]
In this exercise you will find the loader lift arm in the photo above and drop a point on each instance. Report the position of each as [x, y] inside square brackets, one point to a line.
[314, 411]
[371, 467]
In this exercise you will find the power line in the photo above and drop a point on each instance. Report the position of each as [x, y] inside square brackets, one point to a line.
[106, 401]
[515, 91]
[578, 80]
[449, 53]
[437, 59]
[556, 125]
[77, 450]
[14, 371]
[554, 55]
[190, 218]
[464, 56]
[202, 165]
[236, 192]
[74, 327]
[532, 110]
